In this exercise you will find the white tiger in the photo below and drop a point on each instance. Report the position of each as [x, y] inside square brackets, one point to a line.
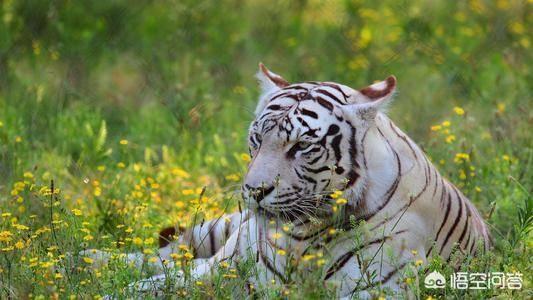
[322, 154]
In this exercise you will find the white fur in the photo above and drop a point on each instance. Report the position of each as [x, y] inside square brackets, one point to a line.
[388, 155]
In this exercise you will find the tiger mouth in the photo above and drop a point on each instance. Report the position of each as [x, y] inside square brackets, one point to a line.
[315, 208]
[267, 213]
[289, 217]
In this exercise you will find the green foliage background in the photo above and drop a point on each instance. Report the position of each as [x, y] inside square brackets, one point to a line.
[173, 80]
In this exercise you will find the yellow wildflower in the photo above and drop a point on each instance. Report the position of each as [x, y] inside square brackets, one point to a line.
[336, 194]
[461, 157]
[517, 27]
[341, 201]
[88, 260]
[187, 192]
[525, 42]
[501, 107]
[436, 127]
[459, 111]
[20, 227]
[281, 252]
[76, 212]
[5, 236]
[276, 235]
[123, 142]
[308, 257]
[233, 177]
[180, 173]
[245, 157]
[19, 245]
[450, 138]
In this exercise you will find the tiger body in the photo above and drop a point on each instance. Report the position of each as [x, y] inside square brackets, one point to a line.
[324, 157]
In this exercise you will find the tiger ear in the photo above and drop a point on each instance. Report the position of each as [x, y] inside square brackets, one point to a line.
[269, 82]
[373, 98]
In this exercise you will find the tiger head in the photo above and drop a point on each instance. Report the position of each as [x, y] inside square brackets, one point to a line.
[305, 143]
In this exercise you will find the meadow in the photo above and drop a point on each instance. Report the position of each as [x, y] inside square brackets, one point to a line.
[119, 118]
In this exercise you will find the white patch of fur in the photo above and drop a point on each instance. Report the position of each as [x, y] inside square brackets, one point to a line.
[379, 86]
[381, 103]
[268, 87]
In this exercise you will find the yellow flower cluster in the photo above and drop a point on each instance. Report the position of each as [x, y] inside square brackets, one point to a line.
[461, 157]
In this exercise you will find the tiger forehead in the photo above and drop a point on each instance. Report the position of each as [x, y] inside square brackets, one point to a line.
[292, 106]
[328, 95]
[299, 118]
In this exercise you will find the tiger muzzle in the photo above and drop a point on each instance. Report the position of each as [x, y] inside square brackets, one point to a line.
[259, 193]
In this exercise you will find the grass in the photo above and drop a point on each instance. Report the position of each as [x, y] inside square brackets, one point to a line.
[132, 108]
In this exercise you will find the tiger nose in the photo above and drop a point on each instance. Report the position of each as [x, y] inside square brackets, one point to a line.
[259, 193]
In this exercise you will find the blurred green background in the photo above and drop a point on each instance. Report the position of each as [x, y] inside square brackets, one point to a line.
[168, 72]
[123, 86]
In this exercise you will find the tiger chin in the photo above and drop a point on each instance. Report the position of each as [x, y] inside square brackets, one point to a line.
[324, 156]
